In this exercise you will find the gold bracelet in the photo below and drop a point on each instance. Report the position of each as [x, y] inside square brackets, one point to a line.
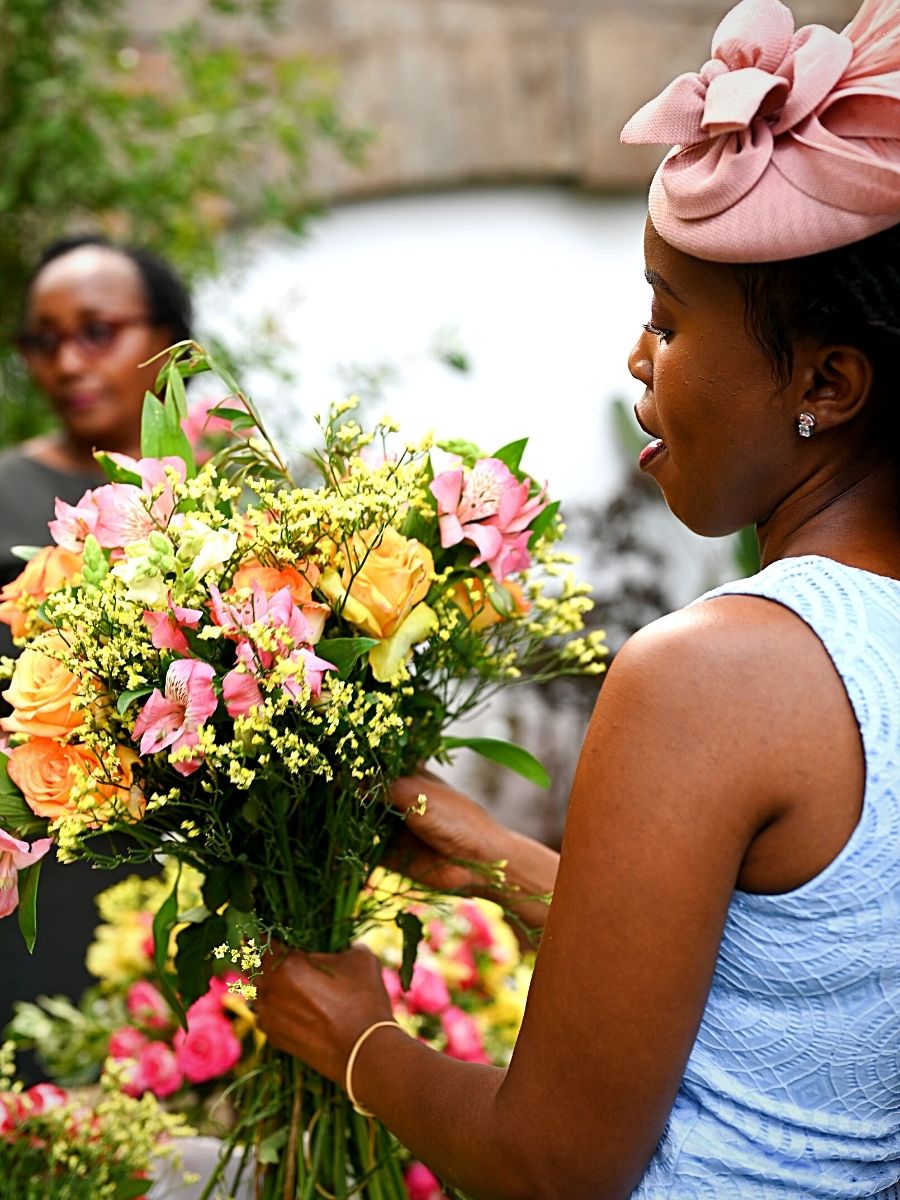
[351, 1062]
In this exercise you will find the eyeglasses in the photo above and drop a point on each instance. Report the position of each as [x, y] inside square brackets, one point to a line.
[93, 338]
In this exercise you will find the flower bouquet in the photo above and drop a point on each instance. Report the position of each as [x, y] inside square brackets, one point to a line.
[231, 668]
[466, 998]
[55, 1146]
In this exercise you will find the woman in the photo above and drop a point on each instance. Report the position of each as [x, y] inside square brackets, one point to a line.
[93, 312]
[714, 1011]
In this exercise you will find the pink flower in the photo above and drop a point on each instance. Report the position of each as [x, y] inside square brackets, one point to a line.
[44, 1096]
[392, 986]
[151, 471]
[490, 508]
[240, 691]
[310, 669]
[172, 719]
[480, 935]
[464, 958]
[427, 992]
[167, 628]
[126, 1042]
[200, 423]
[211, 1002]
[208, 1049]
[463, 1037]
[10, 1106]
[155, 1070]
[16, 856]
[421, 1183]
[146, 1005]
[74, 522]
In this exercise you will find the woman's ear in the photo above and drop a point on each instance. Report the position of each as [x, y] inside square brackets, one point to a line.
[838, 385]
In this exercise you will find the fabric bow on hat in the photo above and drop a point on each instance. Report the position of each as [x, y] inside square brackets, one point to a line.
[786, 143]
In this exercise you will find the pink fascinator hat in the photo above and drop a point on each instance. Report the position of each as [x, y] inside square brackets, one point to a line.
[786, 143]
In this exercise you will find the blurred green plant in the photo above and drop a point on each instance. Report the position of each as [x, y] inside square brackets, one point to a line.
[167, 142]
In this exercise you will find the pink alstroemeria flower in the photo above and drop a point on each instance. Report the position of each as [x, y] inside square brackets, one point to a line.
[490, 508]
[167, 628]
[277, 611]
[74, 522]
[240, 691]
[311, 670]
[173, 718]
[151, 471]
[15, 856]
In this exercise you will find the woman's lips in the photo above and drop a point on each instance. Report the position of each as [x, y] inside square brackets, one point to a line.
[651, 453]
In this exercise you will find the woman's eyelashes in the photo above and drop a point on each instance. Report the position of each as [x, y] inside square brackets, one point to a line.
[658, 331]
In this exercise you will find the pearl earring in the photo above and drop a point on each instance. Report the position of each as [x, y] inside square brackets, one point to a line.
[806, 424]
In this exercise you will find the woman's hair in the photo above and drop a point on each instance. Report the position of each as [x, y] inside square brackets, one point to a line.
[850, 296]
[167, 296]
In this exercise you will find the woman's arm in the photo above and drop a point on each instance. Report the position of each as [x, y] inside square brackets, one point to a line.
[700, 739]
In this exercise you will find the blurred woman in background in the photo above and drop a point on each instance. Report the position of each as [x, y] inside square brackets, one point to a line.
[93, 312]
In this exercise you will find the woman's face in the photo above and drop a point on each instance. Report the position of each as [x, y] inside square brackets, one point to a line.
[728, 432]
[86, 330]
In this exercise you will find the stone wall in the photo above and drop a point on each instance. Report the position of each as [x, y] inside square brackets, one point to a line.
[472, 91]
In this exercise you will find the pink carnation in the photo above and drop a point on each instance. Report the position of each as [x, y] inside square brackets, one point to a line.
[421, 1183]
[155, 1070]
[463, 1036]
[427, 992]
[126, 1042]
[208, 1049]
[146, 1005]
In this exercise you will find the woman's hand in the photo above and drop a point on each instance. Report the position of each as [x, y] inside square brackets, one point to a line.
[443, 840]
[451, 844]
[315, 1006]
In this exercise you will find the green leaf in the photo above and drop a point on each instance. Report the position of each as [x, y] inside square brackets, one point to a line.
[193, 961]
[412, 929]
[163, 923]
[114, 473]
[269, 1149]
[216, 889]
[161, 437]
[505, 753]
[126, 698]
[28, 890]
[344, 652]
[15, 815]
[131, 1189]
[511, 453]
[224, 374]
[175, 393]
[542, 523]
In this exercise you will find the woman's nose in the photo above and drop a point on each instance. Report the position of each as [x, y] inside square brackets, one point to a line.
[70, 357]
[639, 364]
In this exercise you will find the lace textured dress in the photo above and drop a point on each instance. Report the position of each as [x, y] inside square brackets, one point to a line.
[793, 1086]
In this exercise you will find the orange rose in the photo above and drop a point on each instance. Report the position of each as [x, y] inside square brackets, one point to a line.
[47, 772]
[50, 569]
[484, 608]
[301, 580]
[41, 692]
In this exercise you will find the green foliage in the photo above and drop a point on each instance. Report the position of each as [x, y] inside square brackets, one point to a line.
[166, 144]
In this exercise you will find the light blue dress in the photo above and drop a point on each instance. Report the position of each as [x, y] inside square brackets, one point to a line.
[793, 1086]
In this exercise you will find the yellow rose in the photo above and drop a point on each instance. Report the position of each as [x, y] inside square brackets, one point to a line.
[41, 692]
[50, 569]
[384, 597]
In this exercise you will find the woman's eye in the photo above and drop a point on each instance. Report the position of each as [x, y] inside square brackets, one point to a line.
[658, 331]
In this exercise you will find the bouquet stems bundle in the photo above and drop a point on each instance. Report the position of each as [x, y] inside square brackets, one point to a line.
[232, 669]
